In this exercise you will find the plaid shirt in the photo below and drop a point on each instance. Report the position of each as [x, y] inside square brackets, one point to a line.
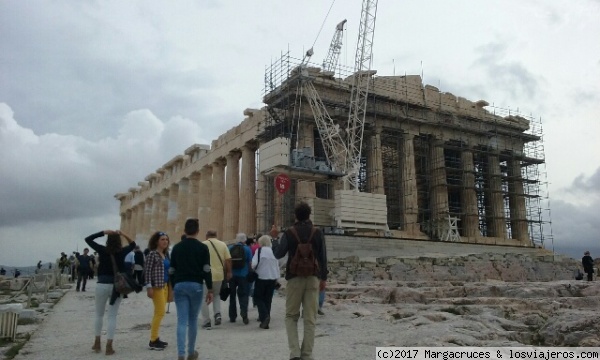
[154, 270]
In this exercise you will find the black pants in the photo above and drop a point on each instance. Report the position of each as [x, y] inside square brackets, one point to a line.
[82, 274]
[263, 296]
[590, 276]
[240, 287]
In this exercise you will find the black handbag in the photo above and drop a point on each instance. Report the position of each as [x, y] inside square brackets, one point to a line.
[124, 283]
[252, 274]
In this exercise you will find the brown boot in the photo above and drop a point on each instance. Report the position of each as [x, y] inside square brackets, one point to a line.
[97, 347]
[109, 348]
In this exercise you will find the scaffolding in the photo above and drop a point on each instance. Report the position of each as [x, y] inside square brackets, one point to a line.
[450, 168]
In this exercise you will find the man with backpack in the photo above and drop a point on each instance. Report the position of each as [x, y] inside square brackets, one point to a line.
[306, 273]
[241, 258]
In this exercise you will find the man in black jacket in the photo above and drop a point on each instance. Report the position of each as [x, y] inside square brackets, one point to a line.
[302, 291]
[588, 265]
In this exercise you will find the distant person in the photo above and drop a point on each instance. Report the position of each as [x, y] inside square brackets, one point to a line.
[588, 265]
[63, 262]
[241, 259]
[50, 266]
[220, 267]
[304, 283]
[190, 260]
[157, 275]
[267, 268]
[39, 265]
[83, 269]
[17, 273]
[105, 284]
[129, 262]
[92, 269]
[2, 271]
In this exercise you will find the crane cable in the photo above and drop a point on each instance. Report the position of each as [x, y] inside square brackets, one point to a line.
[323, 24]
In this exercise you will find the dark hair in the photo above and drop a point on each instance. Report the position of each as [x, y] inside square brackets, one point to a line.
[113, 243]
[249, 241]
[302, 211]
[153, 242]
[192, 226]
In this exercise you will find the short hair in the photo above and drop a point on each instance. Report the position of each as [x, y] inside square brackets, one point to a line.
[302, 211]
[265, 240]
[586, 253]
[241, 237]
[192, 226]
[211, 233]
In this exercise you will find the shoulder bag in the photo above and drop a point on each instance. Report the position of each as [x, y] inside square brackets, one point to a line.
[252, 274]
[225, 290]
[124, 283]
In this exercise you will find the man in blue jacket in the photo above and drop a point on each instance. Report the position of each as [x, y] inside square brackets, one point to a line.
[241, 258]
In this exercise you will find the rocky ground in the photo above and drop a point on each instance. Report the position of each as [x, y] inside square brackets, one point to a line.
[360, 315]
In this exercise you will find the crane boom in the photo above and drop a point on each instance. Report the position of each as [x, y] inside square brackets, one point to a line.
[360, 91]
[335, 48]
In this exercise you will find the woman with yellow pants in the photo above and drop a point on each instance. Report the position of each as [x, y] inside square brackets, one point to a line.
[156, 273]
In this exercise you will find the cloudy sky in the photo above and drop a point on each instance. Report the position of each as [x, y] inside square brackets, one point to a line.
[94, 96]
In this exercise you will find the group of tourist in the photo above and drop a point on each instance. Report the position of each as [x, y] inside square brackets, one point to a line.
[195, 272]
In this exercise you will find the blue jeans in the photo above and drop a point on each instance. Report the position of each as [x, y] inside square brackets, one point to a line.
[188, 301]
[240, 287]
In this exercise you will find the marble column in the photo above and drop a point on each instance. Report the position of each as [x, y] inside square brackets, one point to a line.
[217, 198]
[410, 202]
[495, 202]
[148, 208]
[261, 203]
[164, 210]
[131, 223]
[155, 220]
[516, 200]
[375, 164]
[182, 205]
[247, 206]
[139, 222]
[232, 196]
[172, 212]
[306, 189]
[123, 226]
[193, 203]
[470, 218]
[204, 201]
[439, 187]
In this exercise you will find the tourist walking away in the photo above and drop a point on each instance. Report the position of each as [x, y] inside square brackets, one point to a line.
[252, 243]
[588, 265]
[220, 267]
[241, 258]
[306, 273]
[138, 264]
[2, 271]
[39, 266]
[63, 262]
[157, 273]
[266, 267]
[83, 269]
[105, 290]
[190, 261]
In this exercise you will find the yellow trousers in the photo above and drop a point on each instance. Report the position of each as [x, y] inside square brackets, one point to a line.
[159, 298]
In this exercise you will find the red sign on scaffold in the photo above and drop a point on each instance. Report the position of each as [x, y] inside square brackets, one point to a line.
[282, 183]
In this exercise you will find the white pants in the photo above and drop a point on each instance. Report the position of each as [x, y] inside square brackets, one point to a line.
[216, 302]
[103, 292]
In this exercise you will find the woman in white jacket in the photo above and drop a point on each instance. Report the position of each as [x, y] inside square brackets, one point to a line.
[267, 268]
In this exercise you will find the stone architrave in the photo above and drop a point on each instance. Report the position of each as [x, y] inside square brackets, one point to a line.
[516, 200]
[182, 205]
[496, 220]
[204, 200]
[172, 212]
[217, 197]
[409, 186]
[247, 206]
[232, 196]
[470, 219]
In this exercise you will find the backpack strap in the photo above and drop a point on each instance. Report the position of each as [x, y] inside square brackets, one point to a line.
[294, 232]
